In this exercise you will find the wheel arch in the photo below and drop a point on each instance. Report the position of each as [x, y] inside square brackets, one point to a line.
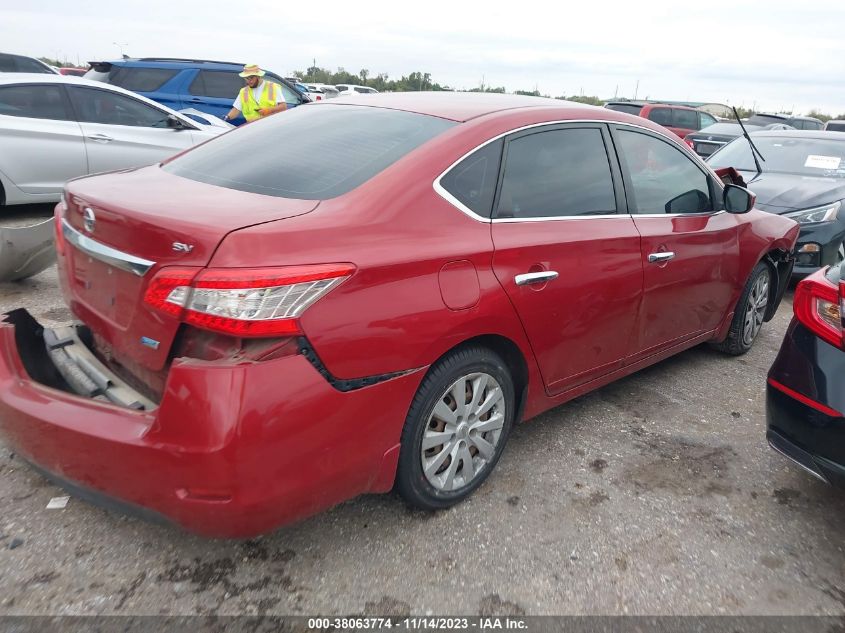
[512, 356]
[780, 263]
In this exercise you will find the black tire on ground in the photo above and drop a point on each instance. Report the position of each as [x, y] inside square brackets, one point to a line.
[738, 341]
[474, 368]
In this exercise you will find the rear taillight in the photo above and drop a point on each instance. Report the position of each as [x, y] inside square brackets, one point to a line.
[244, 302]
[819, 306]
[689, 143]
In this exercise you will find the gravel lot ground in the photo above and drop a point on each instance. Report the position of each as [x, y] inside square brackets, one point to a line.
[654, 495]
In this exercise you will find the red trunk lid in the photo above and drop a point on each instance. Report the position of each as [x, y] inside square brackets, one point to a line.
[122, 228]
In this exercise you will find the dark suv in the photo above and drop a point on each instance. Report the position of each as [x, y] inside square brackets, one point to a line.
[681, 120]
[207, 86]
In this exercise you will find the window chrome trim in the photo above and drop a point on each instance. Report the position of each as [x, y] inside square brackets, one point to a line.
[106, 254]
[448, 197]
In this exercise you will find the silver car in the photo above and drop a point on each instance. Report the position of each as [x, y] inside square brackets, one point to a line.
[55, 127]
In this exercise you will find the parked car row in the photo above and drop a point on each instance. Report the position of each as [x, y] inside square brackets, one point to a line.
[227, 309]
[233, 341]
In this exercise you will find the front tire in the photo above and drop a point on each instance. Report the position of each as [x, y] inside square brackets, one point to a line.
[456, 428]
[750, 311]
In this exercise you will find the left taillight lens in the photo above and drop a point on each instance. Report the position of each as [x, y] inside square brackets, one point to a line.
[819, 306]
[244, 302]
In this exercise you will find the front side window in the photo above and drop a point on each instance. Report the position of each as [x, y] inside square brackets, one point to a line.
[661, 116]
[141, 79]
[706, 119]
[663, 178]
[686, 119]
[309, 153]
[556, 173]
[110, 108]
[34, 101]
[473, 181]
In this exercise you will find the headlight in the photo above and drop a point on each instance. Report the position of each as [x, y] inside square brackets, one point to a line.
[825, 213]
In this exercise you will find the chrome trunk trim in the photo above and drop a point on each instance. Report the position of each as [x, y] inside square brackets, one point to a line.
[106, 254]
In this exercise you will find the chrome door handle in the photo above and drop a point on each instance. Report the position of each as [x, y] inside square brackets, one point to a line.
[535, 278]
[101, 138]
[656, 258]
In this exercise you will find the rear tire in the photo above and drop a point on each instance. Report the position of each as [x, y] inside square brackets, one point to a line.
[750, 311]
[456, 428]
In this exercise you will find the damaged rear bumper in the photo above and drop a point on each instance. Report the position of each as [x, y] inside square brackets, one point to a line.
[232, 450]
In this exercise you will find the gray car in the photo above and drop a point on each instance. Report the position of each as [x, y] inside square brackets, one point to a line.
[55, 127]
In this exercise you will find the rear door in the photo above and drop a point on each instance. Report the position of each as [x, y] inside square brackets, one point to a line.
[122, 132]
[690, 249]
[565, 253]
[41, 145]
[213, 91]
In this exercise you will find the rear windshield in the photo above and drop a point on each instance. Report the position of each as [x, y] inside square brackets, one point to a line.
[312, 152]
[624, 107]
[835, 126]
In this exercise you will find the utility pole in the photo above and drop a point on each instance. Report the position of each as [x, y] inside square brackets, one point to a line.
[636, 90]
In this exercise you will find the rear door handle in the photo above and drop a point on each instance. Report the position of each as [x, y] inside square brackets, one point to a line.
[535, 278]
[101, 138]
[656, 258]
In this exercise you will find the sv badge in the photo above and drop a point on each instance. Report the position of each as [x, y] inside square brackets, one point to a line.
[181, 247]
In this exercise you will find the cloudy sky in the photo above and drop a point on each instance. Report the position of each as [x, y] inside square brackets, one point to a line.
[774, 56]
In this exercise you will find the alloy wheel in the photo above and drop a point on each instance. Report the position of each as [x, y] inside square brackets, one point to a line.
[463, 431]
[755, 309]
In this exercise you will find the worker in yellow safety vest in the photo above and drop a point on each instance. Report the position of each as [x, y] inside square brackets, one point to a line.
[258, 98]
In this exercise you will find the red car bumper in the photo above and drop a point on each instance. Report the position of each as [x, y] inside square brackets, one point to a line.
[232, 450]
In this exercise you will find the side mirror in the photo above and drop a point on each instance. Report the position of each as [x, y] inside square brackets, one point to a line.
[738, 199]
[175, 124]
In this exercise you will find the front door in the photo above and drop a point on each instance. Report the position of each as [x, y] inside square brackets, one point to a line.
[565, 254]
[123, 132]
[690, 249]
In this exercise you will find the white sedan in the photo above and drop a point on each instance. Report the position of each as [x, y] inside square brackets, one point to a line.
[55, 127]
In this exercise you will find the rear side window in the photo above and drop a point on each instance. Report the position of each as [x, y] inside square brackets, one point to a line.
[141, 79]
[7, 64]
[687, 119]
[216, 84]
[26, 65]
[34, 101]
[311, 152]
[473, 181]
[661, 116]
[557, 173]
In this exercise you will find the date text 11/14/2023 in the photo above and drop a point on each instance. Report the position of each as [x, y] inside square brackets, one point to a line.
[431, 623]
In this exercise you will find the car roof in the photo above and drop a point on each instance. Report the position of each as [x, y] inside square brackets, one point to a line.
[822, 135]
[170, 61]
[463, 106]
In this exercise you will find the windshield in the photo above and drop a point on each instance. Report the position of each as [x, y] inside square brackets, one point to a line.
[624, 107]
[785, 155]
[312, 152]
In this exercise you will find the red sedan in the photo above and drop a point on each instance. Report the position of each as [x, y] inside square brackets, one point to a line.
[354, 297]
